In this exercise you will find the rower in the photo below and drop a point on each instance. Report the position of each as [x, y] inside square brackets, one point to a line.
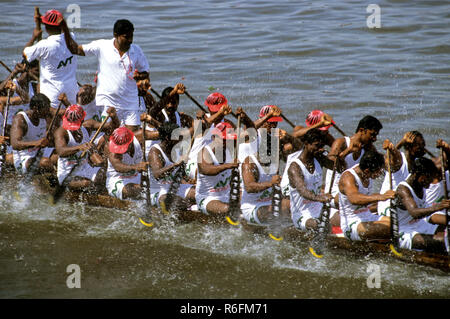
[57, 64]
[401, 162]
[121, 64]
[349, 151]
[218, 108]
[28, 132]
[23, 90]
[166, 110]
[305, 181]
[355, 186]
[435, 192]
[71, 140]
[123, 177]
[163, 168]
[315, 119]
[258, 181]
[215, 162]
[415, 231]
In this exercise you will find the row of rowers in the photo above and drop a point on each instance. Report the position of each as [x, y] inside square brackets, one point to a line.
[117, 158]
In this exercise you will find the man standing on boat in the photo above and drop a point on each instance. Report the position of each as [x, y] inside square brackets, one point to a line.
[120, 64]
[355, 197]
[57, 64]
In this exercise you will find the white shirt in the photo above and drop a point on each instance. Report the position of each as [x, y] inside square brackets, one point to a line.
[115, 84]
[57, 69]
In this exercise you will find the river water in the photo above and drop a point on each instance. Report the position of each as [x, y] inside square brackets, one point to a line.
[299, 55]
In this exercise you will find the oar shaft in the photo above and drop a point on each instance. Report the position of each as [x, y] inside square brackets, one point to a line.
[38, 23]
[96, 134]
[287, 120]
[5, 66]
[339, 130]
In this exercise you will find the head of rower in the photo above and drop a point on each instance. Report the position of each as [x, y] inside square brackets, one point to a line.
[422, 173]
[52, 21]
[314, 142]
[123, 35]
[414, 144]
[368, 128]
[40, 105]
[372, 164]
[272, 122]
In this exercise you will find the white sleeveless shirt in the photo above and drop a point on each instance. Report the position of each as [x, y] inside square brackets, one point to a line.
[65, 164]
[264, 196]
[350, 212]
[127, 159]
[313, 182]
[217, 186]
[404, 218]
[157, 184]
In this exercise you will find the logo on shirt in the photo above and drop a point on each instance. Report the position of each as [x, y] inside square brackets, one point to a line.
[62, 63]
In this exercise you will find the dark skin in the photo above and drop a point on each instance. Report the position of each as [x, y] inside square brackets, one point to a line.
[159, 170]
[116, 160]
[418, 182]
[348, 186]
[206, 167]
[310, 152]
[62, 138]
[362, 139]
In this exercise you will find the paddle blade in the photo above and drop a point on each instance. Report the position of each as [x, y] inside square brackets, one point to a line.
[317, 246]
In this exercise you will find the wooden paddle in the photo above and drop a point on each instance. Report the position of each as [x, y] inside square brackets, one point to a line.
[234, 205]
[276, 207]
[146, 182]
[317, 244]
[61, 187]
[38, 23]
[394, 246]
[3, 145]
[447, 212]
[177, 177]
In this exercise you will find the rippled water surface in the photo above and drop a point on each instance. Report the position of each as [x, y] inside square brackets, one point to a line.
[299, 55]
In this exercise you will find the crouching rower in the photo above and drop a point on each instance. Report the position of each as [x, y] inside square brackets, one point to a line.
[215, 162]
[412, 208]
[28, 134]
[125, 162]
[259, 176]
[71, 140]
[162, 170]
[305, 180]
[356, 219]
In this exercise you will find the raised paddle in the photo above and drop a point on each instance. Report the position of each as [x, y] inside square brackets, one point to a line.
[394, 245]
[61, 187]
[38, 22]
[317, 244]
[3, 145]
[234, 205]
[447, 212]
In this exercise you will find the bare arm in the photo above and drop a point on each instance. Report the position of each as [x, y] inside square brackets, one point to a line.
[18, 131]
[61, 147]
[296, 179]
[73, 47]
[157, 164]
[250, 177]
[349, 187]
[119, 166]
[206, 166]
[409, 203]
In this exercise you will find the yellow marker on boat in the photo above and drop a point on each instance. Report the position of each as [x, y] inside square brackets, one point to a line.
[391, 246]
[145, 224]
[312, 251]
[275, 238]
[17, 196]
[232, 222]
[163, 207]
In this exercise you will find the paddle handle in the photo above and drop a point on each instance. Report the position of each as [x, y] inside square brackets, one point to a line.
[339, 130]
[287, 120]
[444, 180]
[96, 134]
[38, 23]
[52, 123]
[5, 66]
